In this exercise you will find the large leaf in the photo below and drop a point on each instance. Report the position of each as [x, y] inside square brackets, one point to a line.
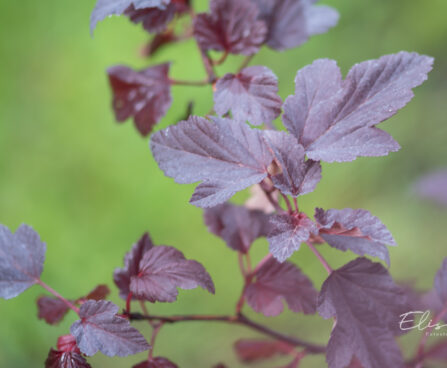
[226, 155]
[22, 255]
[101, 329]
[335, 120]
[367, 306]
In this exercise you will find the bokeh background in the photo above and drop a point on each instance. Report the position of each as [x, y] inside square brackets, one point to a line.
[90, 187]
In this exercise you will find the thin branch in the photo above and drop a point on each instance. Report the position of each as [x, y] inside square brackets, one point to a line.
[295, 202]
[286, 199]
[320, 257]
[128, 301]
[238, 320]
[221, 60]
[207, 63]
[59, 296]
[245, 62]
[153, 338]
[261, 263]
[199, 83]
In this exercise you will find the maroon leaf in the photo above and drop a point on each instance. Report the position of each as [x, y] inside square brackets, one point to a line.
[98, 293]
[22, 255]
[101, 329]
[52, 310]
[355, 230]
[367, 306]
[434, 186]
[105, 8]
[440, 284]
[238, 226]
[144, 95]
[277, 281]
[297, 176]
[226, 155]
[162, 270]
[67, 343]
[251, 95]
[287, 233]
[335, 120]
[251, 350]
[231, 26]
[132, 260]
[61, 359]
[157, 362]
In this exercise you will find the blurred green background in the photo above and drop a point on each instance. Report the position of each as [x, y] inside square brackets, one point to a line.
[90, 187]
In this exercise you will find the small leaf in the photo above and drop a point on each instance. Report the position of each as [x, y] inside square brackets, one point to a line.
[277, 281]
[122, 276]
[335, 120]
[162, 270]
[101, 329]
[52, 310]
[22, 255]
[144, 95]
[157, 362]
[61, 359]
[297, 175]
[231, 26]
[106, 8]
[434, 186]
[367, 306]
[251, 95]
[98, 293]
[238, 226]
[253, 350]
[287, 233]
[355, 230]
[226, 155]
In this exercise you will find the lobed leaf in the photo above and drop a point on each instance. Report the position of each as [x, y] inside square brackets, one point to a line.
[144, 95]
[251, 95]
[227, 156]
[335, 120]
[22, 255]
[276, 282]
[101, 329]
[231, 26]
[367, 306]
[355, 230]
[51, 309]
[61, 359]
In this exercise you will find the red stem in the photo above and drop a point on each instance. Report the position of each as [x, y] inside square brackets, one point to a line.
[153, 338]
[128, 300]
[189, 83]
[286, 199]
[59, 296]
[320, 257]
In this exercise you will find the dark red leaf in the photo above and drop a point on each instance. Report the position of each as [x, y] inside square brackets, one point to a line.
[355, 230]
[67, 343]
[226, 155]
[22, 255]
[60, 359]
[132, 260]
[251, 350]
[287, 233]
[51, 309]
[101, 329]
[158, 42]
[367, 306]
[157, 362]
[291, 22]
[231, 26]
[98, 293]
[144, 95]
[105, 8]
[277, 281]
[238, 226]
[164, 269]
[251, 95]
[434, 186]
[297, 175]
[335, 120]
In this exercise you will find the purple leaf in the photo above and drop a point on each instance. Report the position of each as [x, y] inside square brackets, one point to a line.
[21, 260]
[434, 186]
[291, 22]
[277, 281]
[355, 230]
[62, 359]
[101, 329]
[144, 95]
[251, 95]
[226, 155]
[366, 304]
[157, 362]
[238, 226]
[440, 284]
[287, 233]
[253, 350]
[98, 293]
[162, 270]
[335, 120]
[52, 310]
[106, 8]
[122, 276]
[231, 26]
[297, 176]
